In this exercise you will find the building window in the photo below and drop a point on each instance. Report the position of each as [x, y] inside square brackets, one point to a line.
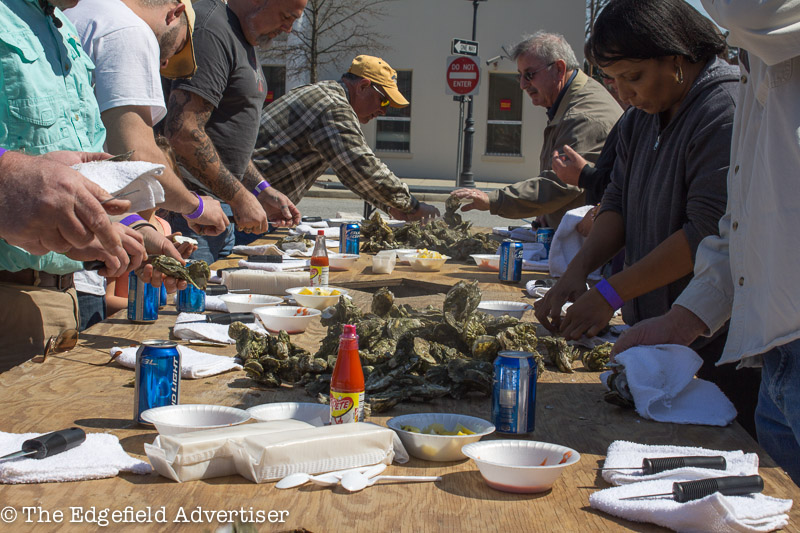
[394, 130]
[276, 82]
[504, 125]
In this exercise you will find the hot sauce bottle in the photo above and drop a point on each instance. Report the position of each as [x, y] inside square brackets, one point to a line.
[319, 262]
[347, 381]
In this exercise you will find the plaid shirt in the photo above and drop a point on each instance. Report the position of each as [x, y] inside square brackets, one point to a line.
[312, 128]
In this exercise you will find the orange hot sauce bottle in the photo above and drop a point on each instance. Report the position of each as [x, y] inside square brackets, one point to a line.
[319, 265]
[347, 381]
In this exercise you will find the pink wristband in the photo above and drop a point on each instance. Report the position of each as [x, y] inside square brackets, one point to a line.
[607, 291]
[197, 212]
[260, 188]
[130, 219]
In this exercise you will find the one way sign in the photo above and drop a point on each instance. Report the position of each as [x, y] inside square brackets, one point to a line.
[465, 47]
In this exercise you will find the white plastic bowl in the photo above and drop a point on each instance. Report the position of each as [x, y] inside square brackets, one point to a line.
[520, 465]
[438, 447]
[499, 308]
[426, 264]
[316, 302]
[290, 318]
[245, 303]
[174, 419]
[489, 262]
[342, 261]
[403, 253]
[315, 414]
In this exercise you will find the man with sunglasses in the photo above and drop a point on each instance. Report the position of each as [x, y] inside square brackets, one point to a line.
[316, 127]
[580, 113]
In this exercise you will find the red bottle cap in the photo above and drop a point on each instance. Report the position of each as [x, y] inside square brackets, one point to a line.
[320, 232]
[349, 332]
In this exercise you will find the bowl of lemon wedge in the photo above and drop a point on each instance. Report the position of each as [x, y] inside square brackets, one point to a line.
[439, 436]
[316, 297]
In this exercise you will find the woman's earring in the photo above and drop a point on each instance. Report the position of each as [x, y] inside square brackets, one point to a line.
[679, 75]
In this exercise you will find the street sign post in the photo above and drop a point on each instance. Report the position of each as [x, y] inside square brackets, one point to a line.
[464, 47]
[463, 75]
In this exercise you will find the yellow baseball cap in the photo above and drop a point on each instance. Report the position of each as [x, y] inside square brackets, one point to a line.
[182, 64]
[378, 71]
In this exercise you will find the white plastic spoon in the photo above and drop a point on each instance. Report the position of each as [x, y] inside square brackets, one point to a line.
[355, 481]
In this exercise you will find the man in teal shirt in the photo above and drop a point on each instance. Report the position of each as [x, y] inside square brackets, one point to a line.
[47, 104]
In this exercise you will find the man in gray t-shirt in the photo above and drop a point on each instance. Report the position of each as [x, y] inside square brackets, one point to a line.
[213, 117]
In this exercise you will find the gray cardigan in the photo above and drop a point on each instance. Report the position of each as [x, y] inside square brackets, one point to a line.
[673, 177]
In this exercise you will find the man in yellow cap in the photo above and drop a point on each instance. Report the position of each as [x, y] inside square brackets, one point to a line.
[316, 127]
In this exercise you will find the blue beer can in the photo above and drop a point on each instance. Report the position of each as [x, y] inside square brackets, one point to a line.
[143, 300]
[545, 236]
[510, 261]
[158, 377]
[349, 238]
[162, 300]
[191, 300]
[514, 392]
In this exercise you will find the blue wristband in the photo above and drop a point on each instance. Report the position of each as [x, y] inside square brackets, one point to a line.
[607, 291]
[260, 188]
[130, 219]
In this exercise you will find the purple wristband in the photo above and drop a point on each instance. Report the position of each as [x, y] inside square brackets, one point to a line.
[130, 219]
[2, 151]
[607, 291]
[197, 212]
[260, 188]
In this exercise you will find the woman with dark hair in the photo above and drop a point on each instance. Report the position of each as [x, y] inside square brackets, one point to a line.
[668, 184]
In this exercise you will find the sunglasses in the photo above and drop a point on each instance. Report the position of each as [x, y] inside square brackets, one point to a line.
[528, 76]
[384, 99]
[63, 342]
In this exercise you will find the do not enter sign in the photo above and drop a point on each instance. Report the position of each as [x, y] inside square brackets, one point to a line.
[463, 75]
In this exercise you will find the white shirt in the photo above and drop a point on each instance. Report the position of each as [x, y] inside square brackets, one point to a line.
[126, 55]
[749, 272]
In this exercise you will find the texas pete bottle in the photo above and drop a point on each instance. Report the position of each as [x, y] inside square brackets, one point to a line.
[347, 381]
[319, 262]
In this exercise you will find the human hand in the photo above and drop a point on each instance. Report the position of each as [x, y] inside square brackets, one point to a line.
[281, 211]
[248, 213]
[677, 326]
[587, 316]
[68, 158]
[186, 249]
[48, 206]
[131, 255]
[212, 221]
[548, 309]
[424, 212]
[568, 166]
[479, 199]
[157, 244]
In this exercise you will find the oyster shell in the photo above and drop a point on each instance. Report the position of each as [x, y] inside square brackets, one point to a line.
[596, 359]
[197, 273]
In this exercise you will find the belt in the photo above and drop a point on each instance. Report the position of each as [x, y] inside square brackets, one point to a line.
[36, 278]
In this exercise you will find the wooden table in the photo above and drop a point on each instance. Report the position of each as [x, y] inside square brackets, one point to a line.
[75, 388]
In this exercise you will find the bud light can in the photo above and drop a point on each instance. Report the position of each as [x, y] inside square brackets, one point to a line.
[162, 300]
[514, 392]
[349, 238]
[158, 377]
[545, 236]
[143, 300]
[191, 300]
[510, 261]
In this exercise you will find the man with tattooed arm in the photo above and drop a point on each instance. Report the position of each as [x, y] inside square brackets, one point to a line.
[213, 118]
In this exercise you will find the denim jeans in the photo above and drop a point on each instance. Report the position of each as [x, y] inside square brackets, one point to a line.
[778, 411]
[209, 249]
[92, 309]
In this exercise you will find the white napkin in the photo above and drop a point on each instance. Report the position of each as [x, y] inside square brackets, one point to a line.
[714, 513]
[205, 331]
[215, 303]
[502, 231]
[524, 234]
[661, 380]
[305, 229]
[623, 453]
[194, 364]
[567, 243]
[124, 176]
[286, 266]
[268, 249]
[99, 456]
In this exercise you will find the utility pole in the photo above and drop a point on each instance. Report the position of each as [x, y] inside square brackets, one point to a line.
[465, 179]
